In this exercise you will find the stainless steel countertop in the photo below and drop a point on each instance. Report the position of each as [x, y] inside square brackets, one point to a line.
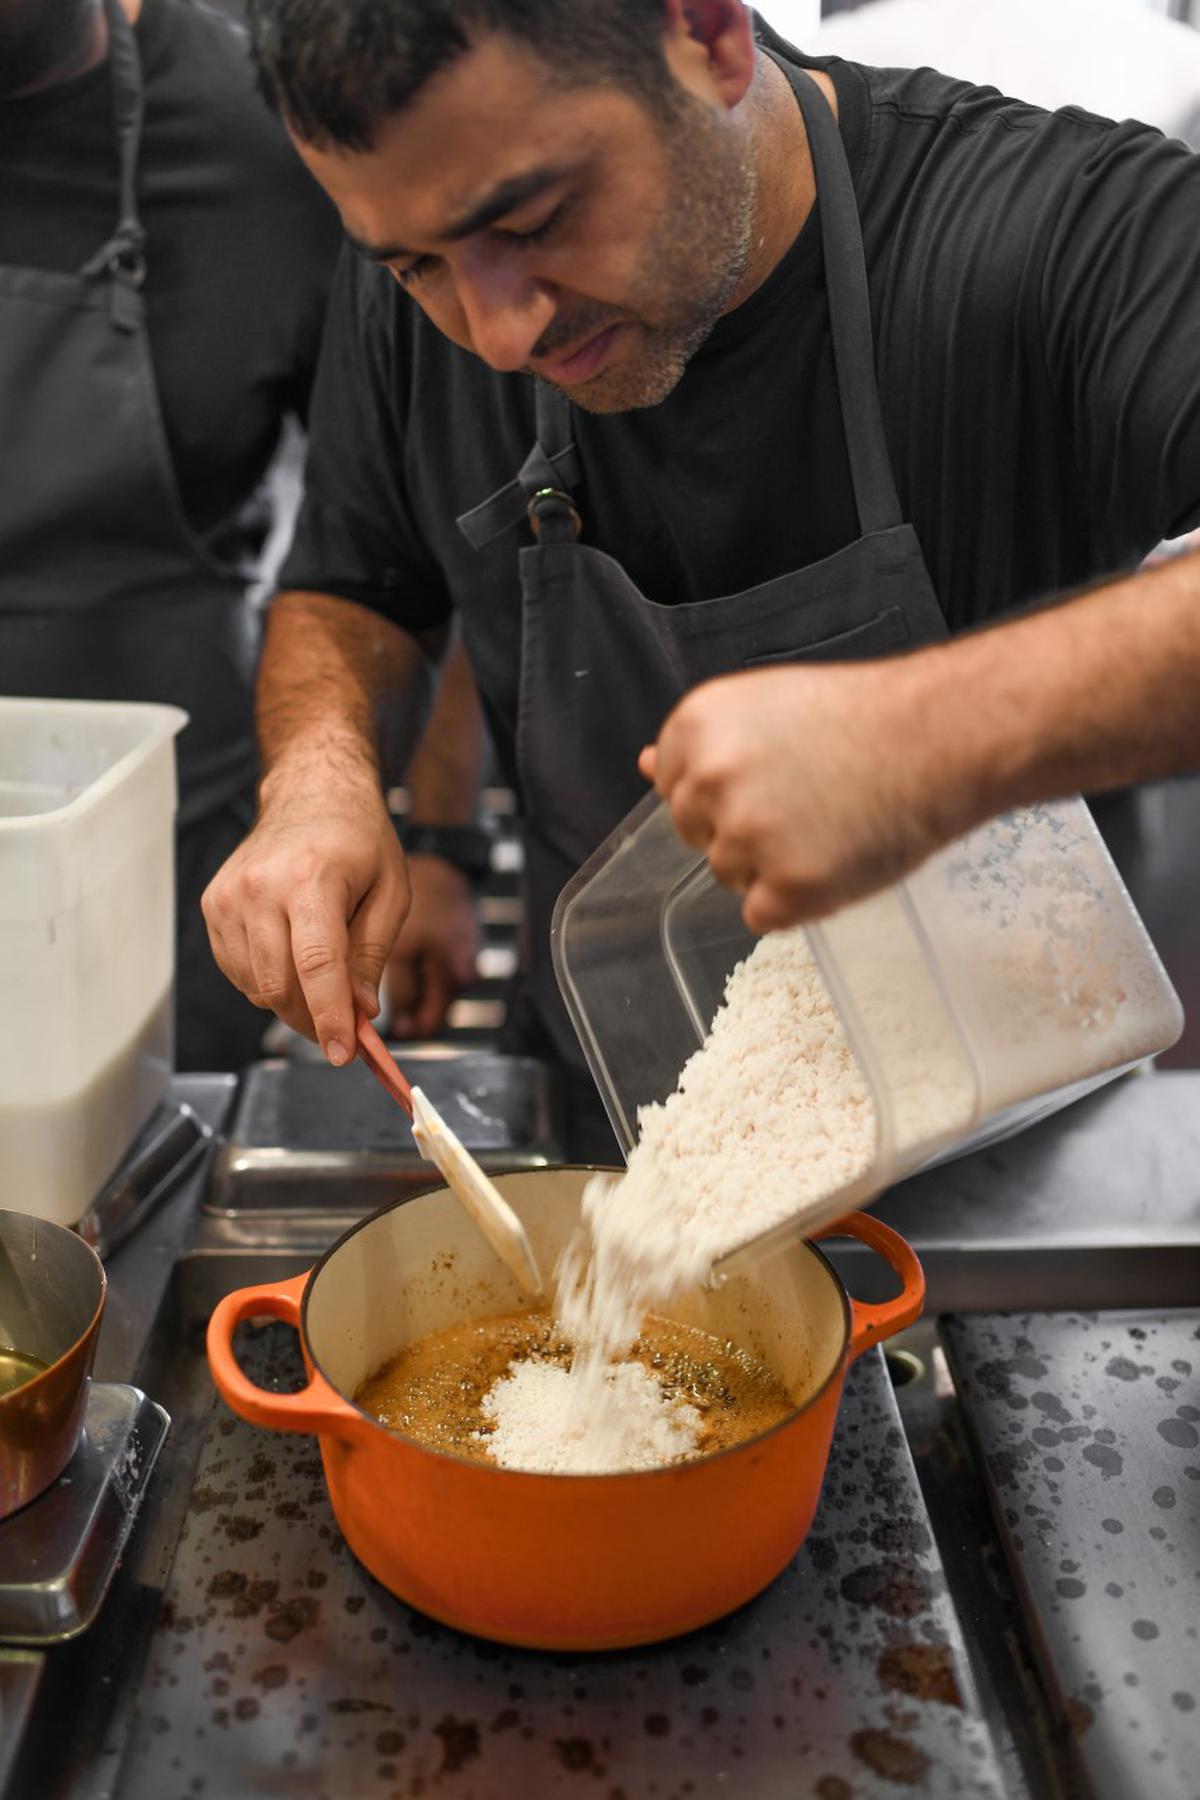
[1101, 1202]
[1121, 1166]
[1097, 1207]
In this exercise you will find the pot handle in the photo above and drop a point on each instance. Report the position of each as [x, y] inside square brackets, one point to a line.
[317, 1408]
[871, 1324]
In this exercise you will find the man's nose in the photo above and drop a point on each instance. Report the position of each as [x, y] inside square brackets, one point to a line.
[505, 307]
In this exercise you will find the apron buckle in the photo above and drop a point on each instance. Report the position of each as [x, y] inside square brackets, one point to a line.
[128, 260]
[551, 506]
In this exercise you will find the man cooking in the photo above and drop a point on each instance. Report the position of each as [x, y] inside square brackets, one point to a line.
[827, 362]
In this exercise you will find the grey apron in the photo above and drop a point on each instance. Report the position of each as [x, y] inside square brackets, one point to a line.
[602, 665]
[106, 592]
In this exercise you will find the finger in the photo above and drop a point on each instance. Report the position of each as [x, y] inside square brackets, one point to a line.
[692, 814]
[236, 914]
[233, 960]
[646, 763]
[437, 991]
[675, 747]
[771, 908]
[227, 940]
[731, 866]
[373, 931]
[320, 951]
[276, 987]
[220, 947]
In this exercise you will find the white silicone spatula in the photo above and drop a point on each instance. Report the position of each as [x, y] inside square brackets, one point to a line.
[481, 1197]
[462, 1174]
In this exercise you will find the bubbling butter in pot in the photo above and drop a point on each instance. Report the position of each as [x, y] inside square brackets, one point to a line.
[499, 1390]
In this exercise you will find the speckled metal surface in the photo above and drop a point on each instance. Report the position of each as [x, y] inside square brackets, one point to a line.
[281, 1667]
[1089, 1427]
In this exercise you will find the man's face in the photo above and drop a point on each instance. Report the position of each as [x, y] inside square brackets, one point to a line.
[571, 232]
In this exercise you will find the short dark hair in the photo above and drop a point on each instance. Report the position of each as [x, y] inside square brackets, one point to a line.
[336, 68]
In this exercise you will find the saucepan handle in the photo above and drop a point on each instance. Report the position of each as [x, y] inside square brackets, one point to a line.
[870, 1324]
[317, 1408]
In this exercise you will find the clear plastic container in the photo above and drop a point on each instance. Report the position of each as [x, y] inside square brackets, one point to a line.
[87, 936]
[1007, 977]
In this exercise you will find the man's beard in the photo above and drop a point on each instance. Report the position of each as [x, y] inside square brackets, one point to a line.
[698, 254]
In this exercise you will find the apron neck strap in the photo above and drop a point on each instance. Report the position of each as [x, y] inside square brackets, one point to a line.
[552, 447]
[849, 314]
[545, 482]
[549, 473]
[121, 256]
[553, 415]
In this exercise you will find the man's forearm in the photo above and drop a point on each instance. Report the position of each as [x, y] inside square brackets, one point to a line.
[1099, 692]
[808, 788]
[330, 670]
[304, 913]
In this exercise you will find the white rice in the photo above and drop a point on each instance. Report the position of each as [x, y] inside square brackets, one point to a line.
[630, 1423]
[771, 1114]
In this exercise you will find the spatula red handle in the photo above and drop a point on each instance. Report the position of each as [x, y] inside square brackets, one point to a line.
[374, 1052]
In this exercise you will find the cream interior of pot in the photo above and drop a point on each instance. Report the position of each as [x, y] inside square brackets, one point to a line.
[424, 1265]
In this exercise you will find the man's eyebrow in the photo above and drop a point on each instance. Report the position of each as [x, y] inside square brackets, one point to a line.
[502, 200]
[379, 253]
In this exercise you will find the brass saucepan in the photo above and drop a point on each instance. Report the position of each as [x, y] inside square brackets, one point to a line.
[52, 1291]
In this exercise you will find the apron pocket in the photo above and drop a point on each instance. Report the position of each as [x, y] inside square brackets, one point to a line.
[887, 631]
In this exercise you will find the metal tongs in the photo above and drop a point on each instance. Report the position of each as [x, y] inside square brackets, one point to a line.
[458, 1168]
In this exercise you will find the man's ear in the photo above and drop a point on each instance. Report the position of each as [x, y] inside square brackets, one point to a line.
[709, 47]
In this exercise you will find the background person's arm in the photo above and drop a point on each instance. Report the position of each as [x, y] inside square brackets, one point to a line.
[304, 913]
[810, 787]
[434, 957]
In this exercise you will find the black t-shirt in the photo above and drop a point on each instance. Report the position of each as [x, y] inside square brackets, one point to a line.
[1035, 286]
[241, 242]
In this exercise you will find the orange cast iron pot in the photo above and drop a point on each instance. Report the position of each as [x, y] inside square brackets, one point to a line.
[558, 1562]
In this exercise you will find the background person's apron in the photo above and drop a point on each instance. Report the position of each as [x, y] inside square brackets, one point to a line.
[602, 665]
[106, 592]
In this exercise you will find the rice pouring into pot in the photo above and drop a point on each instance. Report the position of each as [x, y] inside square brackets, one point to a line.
[770, 1115]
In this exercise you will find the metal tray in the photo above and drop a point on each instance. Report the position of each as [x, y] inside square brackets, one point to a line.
[58, 1554]
[307, 1138]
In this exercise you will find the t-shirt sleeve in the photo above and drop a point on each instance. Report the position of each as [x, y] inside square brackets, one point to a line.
[356, 536]
[1121, 327]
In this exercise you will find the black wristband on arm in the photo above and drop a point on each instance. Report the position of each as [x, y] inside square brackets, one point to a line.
[467, 847]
